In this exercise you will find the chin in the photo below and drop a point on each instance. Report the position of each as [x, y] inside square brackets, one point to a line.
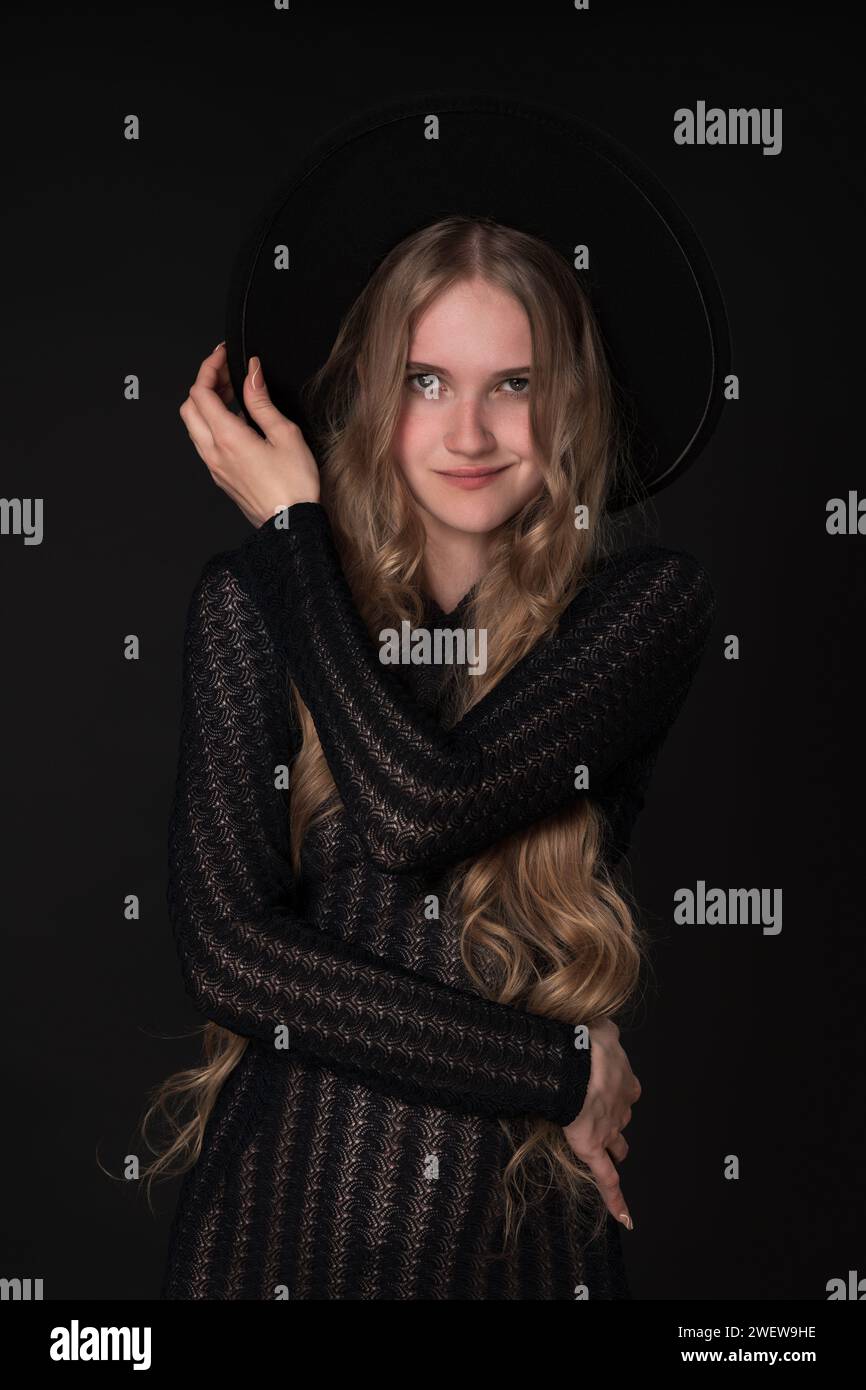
[472, 512]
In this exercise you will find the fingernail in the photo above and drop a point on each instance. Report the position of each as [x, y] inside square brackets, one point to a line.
[256, 371]
[626, 1220]
[219, 345]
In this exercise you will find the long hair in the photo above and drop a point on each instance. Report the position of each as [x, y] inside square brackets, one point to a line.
[544, 924]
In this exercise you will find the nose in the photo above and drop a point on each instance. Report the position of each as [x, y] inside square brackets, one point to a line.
[467, 433]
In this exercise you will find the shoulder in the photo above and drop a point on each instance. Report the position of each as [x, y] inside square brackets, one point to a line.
[214, 587]
[221, 576]
[221, 611]
[646, 596]
[658, 574]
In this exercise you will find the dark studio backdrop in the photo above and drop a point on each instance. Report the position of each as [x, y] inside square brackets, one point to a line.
[117, 258]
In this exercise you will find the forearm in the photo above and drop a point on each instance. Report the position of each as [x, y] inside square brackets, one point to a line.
[304, 993]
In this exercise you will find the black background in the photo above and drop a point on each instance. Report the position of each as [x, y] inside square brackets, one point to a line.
[117, 256]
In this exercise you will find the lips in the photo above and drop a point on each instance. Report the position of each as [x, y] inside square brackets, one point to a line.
[470, 472]
[472, 478]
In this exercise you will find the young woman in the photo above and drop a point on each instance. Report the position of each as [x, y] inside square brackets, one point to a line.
[394, 888]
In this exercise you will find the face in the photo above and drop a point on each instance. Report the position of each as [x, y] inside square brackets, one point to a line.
[463, 442]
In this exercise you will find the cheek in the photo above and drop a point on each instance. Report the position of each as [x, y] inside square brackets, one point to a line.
[519, 437]
[412, 439]
[515, 440]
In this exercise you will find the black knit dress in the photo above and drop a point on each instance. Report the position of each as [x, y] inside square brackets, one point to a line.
[355, 1150]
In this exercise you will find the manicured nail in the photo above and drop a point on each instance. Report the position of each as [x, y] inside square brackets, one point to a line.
[256, 371]
[219, 345]
[626, 1220]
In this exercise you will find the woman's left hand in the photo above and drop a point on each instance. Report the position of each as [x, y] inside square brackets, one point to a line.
[260, 475]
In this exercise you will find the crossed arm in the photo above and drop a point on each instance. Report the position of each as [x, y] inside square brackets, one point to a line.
[608, 682]
[254, 965]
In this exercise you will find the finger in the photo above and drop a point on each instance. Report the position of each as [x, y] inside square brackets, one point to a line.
[617, 1147]
[223, 384]
[197, 427]
[210, 371]
[607, 1178]
[223, 424]
[273, 424]
[213, 375]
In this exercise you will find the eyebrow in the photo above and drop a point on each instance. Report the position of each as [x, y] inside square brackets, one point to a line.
[443, 371]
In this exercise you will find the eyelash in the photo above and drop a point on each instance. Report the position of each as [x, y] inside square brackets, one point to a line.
[419, 390]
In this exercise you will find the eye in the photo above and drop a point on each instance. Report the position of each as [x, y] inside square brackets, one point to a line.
[511, 379]
[430, 387]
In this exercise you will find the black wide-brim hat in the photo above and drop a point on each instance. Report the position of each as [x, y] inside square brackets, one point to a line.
[379, 177]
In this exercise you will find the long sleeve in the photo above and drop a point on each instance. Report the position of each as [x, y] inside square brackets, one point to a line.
[251, 964]
[601, 689]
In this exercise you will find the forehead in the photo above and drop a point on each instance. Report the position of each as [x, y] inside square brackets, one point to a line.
[472, 324]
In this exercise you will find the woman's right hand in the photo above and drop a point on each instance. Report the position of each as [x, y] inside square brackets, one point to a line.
[613, 1089]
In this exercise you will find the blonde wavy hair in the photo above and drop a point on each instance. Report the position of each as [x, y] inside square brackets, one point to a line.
[544, 925]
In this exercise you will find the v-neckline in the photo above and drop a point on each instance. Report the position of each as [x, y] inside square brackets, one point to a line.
[437, 612]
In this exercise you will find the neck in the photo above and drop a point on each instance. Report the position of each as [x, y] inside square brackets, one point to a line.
[454, 561]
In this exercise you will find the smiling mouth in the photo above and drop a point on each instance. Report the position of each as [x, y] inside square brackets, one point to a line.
[471, 472]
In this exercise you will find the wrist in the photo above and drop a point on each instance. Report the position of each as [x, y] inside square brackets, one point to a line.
[575, 1075]
[285, 510]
